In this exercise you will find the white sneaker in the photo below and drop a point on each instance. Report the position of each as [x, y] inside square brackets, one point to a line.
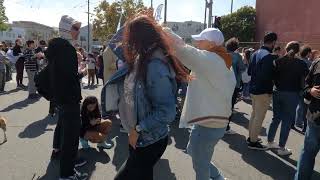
[284, 151]
[230, 132]
[273, 145]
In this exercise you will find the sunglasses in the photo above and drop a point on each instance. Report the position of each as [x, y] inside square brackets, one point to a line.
[75, 28]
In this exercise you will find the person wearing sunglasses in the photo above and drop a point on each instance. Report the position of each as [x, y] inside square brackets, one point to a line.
[66, 93]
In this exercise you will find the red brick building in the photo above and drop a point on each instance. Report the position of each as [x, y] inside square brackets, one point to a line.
[290, 19]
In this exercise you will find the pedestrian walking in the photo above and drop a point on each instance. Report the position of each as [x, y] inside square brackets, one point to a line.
[238, 68]
[301, 120]
[208, 103]
[311, 144]
[290, 73]
[66, 93]
[17, 53]
[3, 62]
[261, 86]
[100, 67]
[31, 66]
[147, 98]
[245, 77]
[91, 67]
[93, 127]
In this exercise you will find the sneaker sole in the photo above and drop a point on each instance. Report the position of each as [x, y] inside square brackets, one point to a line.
[255, 148]
[284, 154]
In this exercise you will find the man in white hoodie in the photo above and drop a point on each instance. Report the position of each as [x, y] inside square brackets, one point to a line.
[208, 103]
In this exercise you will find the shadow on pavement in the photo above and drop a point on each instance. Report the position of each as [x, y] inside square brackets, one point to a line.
[263, 161]
[52, 172]
[11, 91]
[162, 171]
[92, 155]
[20, 105]
[38, 128]
[121, 147]
[239, 119]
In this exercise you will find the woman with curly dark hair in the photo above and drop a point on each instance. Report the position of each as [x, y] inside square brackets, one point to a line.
[145, 88]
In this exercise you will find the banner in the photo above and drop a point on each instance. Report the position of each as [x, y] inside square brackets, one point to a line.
[158, 13]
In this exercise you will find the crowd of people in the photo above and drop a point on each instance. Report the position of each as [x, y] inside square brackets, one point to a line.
[142, 78]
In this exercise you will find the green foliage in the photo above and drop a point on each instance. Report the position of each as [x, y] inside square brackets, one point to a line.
[3, 18]
[108, 15]
[240, 24]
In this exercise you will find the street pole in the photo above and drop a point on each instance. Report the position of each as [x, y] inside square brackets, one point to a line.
[165, 12]
[152, 4]
[210, 14]
[231, 6]
[88, 26]
[205, 15]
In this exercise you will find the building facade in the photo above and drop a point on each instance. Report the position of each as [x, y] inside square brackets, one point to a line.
[186, 29]
[290, 19]
[12, 34]
[35, 31]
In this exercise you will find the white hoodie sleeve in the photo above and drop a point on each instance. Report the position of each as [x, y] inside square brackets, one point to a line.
[203, 63]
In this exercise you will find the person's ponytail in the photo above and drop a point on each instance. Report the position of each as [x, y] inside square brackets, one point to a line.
[292, 49]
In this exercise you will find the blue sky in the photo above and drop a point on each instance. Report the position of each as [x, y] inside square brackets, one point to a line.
[49, 11]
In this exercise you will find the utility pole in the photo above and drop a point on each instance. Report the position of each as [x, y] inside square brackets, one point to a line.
[88, 26]
[152, 4]
[231, 6]
[165, 11]
[210, 14]
[205, 15]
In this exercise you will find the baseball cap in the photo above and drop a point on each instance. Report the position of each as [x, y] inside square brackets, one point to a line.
[65, 25]
[210, 34]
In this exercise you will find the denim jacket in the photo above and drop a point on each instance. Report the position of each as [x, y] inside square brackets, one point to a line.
[155, 99]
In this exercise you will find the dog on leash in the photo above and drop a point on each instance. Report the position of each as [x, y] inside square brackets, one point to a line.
[3, 126]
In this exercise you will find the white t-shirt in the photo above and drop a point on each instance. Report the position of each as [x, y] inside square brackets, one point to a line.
[91, 63]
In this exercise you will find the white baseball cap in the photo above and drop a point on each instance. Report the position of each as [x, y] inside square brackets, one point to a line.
[210, 34]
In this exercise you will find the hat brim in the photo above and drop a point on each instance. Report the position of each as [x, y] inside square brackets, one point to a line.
[197, 37]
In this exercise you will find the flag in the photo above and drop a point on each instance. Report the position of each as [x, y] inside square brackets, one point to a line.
[115, 44]
[157, 14]
[119, 24]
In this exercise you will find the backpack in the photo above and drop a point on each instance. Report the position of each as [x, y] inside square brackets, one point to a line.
[42, 82]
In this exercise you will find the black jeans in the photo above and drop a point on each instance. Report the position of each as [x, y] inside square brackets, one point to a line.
[234, 101]
[19, 68]
[66, 137]
[52, 108]
[139, 165]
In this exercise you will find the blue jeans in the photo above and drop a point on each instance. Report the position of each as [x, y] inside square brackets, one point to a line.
[309, 152]
[284, 111]
[246, 89]
[301, 114]
[201, 147]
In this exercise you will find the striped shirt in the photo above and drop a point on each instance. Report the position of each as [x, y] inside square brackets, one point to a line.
[30, 60]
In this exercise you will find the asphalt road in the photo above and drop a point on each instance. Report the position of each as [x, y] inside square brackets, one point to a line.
[26, 154]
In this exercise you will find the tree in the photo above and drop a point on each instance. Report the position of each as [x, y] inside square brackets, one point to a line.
[240, 24]
[3, 18]
[108, 15]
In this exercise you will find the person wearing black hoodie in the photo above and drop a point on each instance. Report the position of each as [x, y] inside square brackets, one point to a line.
[66, 93]
[17, 52]
[261, 87]
[290, 73]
